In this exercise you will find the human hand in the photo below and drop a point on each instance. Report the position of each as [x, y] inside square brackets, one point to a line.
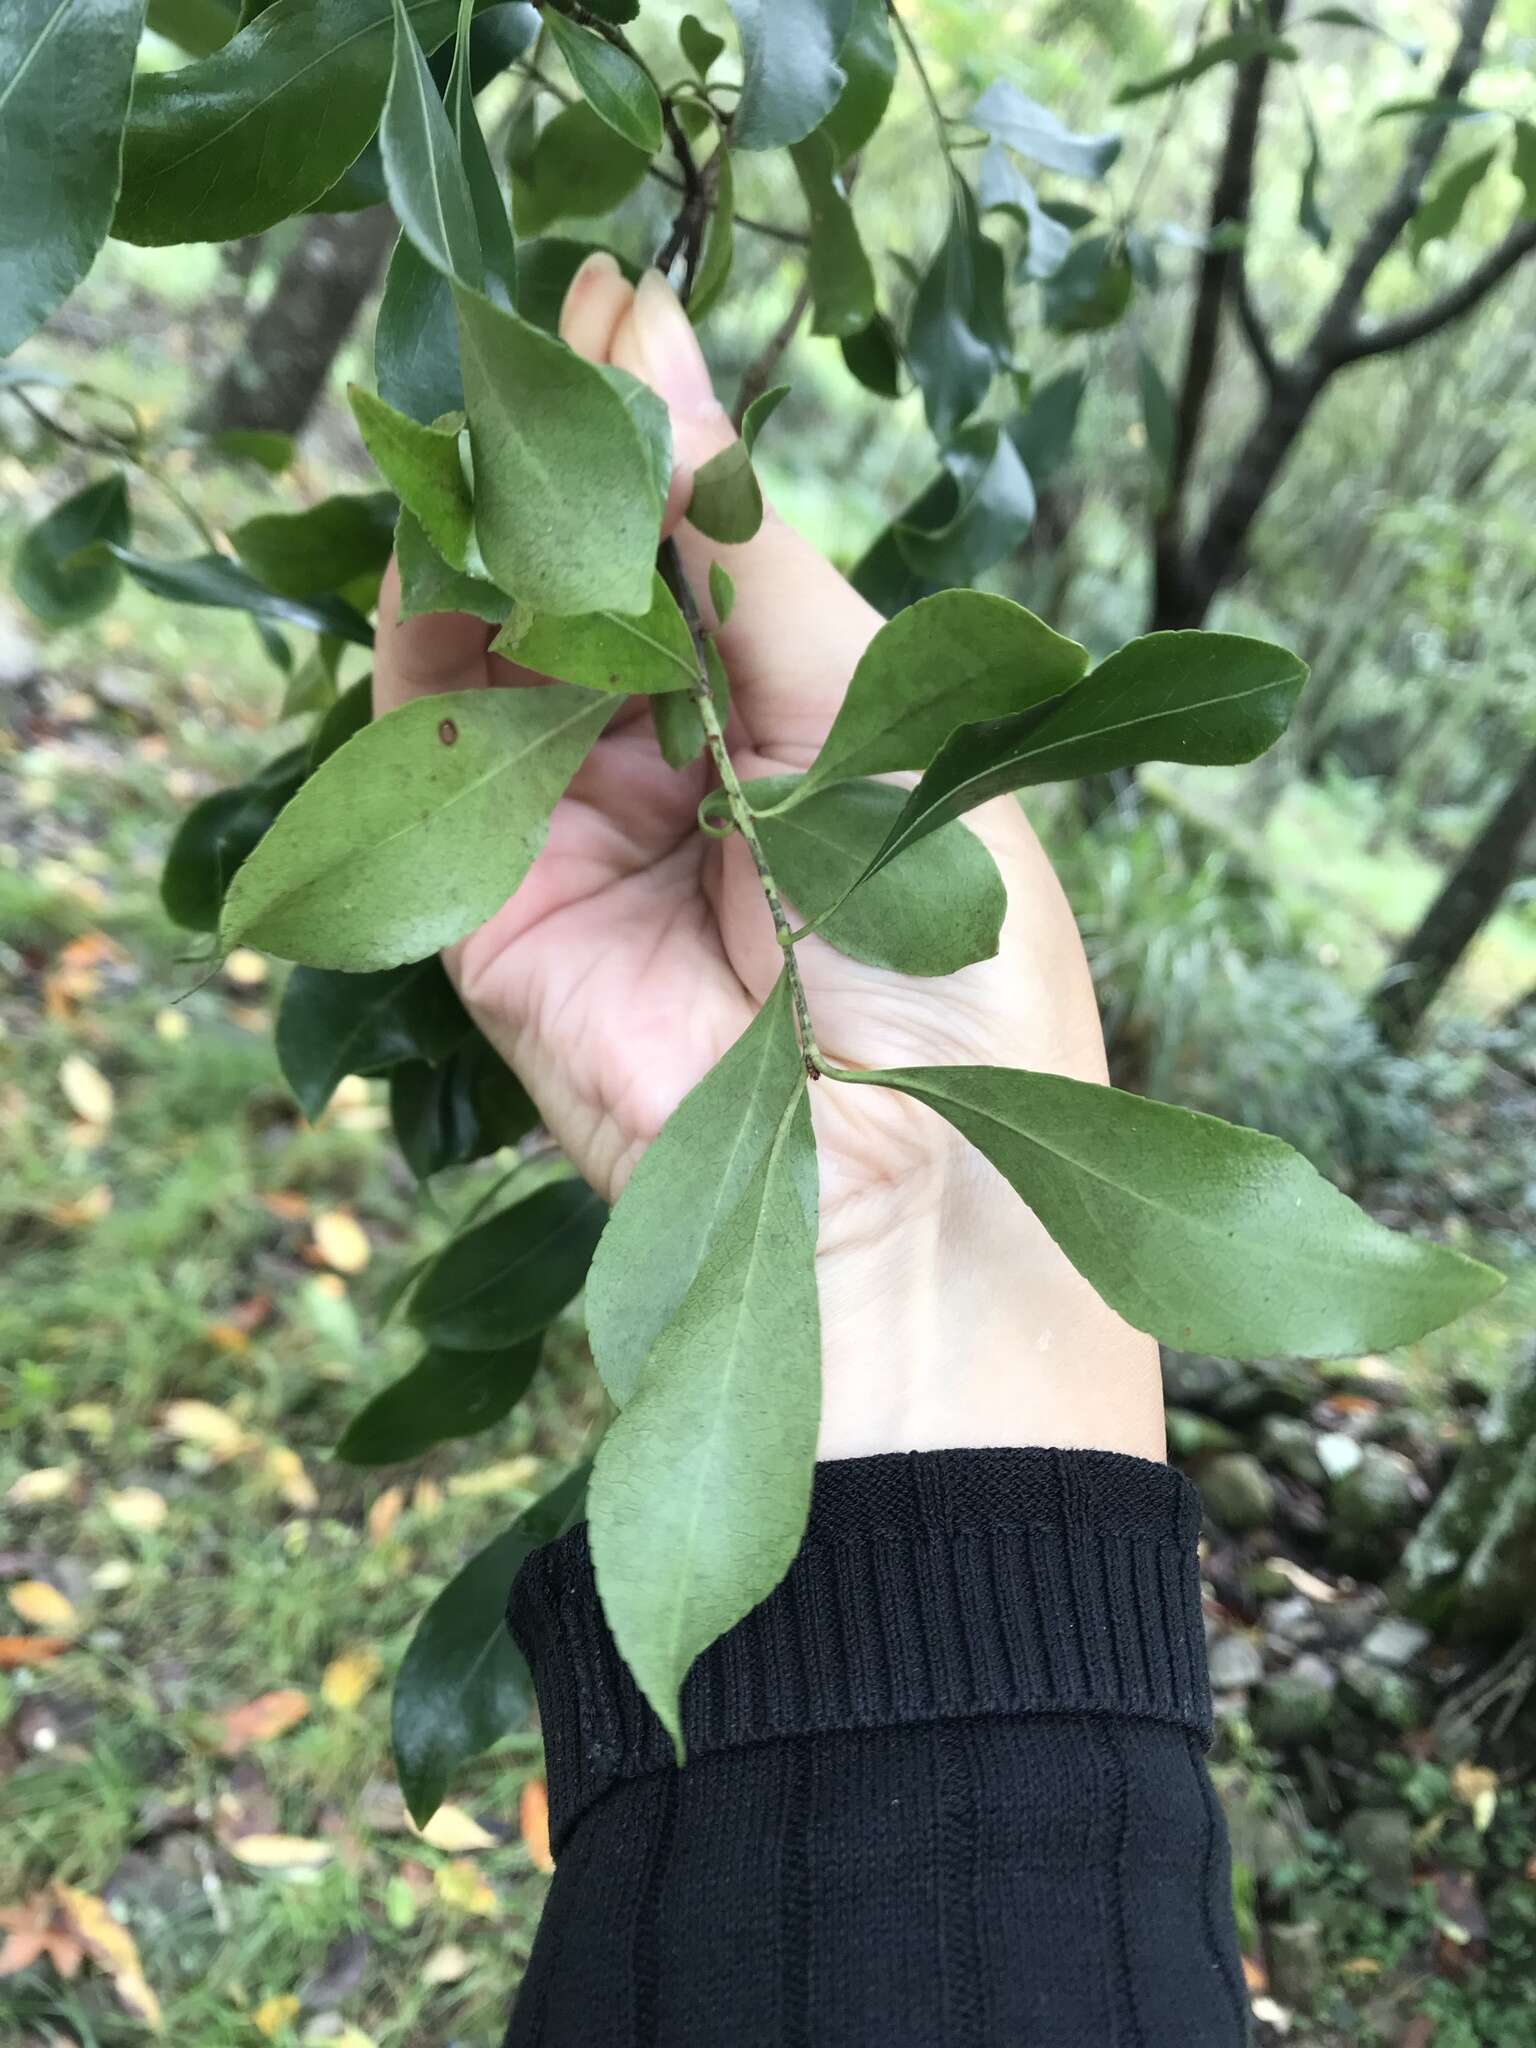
[638, 949]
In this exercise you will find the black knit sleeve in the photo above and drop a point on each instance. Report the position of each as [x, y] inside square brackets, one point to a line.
[946, 1786]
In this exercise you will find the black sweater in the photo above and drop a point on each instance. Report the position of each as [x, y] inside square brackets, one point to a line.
[946, 1786]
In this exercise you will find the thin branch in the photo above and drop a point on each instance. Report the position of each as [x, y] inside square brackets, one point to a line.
[1251, 322]
[676, 579]
[1334, 330]
[1451, 305]
[758, 374]
[915, 59]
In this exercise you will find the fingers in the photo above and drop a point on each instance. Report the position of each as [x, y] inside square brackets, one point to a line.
[596, 300]
[423, 657]
[797, 629]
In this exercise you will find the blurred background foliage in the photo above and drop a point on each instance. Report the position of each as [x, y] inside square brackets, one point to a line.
[197, 1278]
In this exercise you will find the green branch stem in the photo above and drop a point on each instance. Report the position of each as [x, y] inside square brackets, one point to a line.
[915, 59]
[676, 578]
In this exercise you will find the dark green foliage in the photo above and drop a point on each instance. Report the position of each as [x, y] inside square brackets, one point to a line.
[508, 1278]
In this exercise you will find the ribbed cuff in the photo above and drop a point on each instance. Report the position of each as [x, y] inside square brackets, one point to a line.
[931, 1586]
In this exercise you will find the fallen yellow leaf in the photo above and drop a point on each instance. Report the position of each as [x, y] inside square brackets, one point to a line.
[19, 1653]
[87, 1091]
[272, 2016]
[453, 1829]
[461, 1886]
[281, 1852]
[112, 1948]
[349, 1677]
[533, 1823]
[92, 1418]
[512, 1475]
[426, 1499]
[210, 1428]
[384, 1514]
[90, 1207]
[138, 1508]
[262, 1719]
[170, 1026]
[1478, 1787]
[112, 1576]
[449, 1964]
[43, 1606]
[340, 1241]
[36, 1488]
[285, 1468]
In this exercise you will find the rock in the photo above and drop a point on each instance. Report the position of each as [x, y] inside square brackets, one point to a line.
[1295, 1621]
[1195, 1436]
[1235, 1662]
[1395, 1642]
[1370, 1506]
[1294, 1952]
[1190, 1380]
[1315, 1671]
[1291, 1709]
[1237, 1492]
[1346, 1623]
[19, 658]
[1387, 1696]
[1286, 1441]
[1337, 1453]
[1381, 1840]
[1261, 1582]
[1235, 1391]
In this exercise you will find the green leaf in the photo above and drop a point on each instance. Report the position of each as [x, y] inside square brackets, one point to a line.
[760, 412]
[422, 166]
[509, 1277]
[269, 450]
[727, 500]
[679, 728]
[952, 346]
[699, 45]
[1440, 212]
[351, 711]
[544, 272]
[1212, 698]
[1310, 217]
[612, 651]
[791, 79]
[936, 909]
[417, 831]
[1092, 288]
[331, 1025]
[1241, 47]
[1347, 17]
[1524, 165]
[579, 168]
[701, 1489]
[428, 584]
[867, 56]
[421, 465]
[65, 69]
[567, 508]
[1034, 131]
[446, 1394]
[656, 1242]
[301, 554]
[1211, 1237]
[463, 1683]
[218, 834]
[610, 81]
[842, 282]
[1157, 414]
[955, 656]
[55, 586]
[416, 339]
[1001, 187]
[1043, 432]
[722, 592]
[241, 140]
[1436, 109]
[989, 511]
[469, 1105]
[197, 26]
[216, 581]
[719, 252]
[493, 225]
[873, 356]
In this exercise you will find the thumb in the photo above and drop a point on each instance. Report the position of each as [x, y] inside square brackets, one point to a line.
[797, 628]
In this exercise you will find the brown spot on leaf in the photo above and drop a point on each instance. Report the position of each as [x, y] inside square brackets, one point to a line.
[448, 732]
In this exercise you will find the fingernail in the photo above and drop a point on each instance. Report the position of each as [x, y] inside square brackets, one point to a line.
[674, 363]
[599, 264]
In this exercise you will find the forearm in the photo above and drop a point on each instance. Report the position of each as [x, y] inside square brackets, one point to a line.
[944, 1785]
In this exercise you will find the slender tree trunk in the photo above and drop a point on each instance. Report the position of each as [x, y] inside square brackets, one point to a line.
[278, 372]
[1469, 1569]
[1469, 898]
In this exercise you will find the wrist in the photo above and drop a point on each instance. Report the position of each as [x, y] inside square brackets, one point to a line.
[951, 1320]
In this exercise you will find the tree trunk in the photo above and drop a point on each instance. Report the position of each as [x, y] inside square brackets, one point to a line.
[1469, 898]
[278, 372]
[1469, 1570]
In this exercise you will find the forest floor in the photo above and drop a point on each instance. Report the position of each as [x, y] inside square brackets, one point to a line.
[204, 1608]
